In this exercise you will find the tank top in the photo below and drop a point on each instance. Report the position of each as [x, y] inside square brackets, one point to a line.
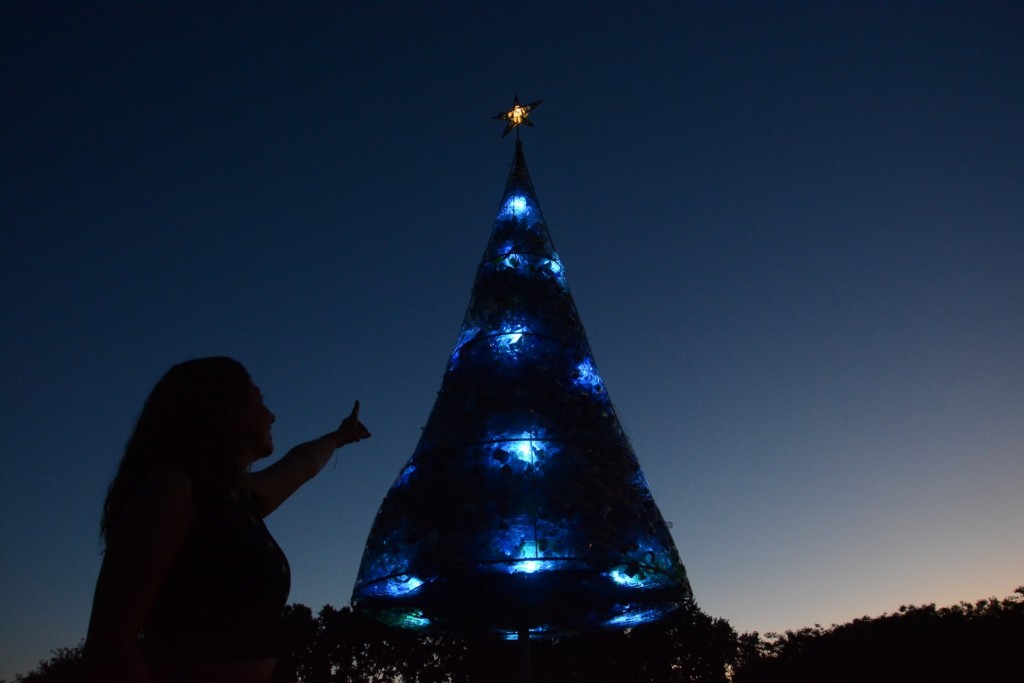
[225, 593]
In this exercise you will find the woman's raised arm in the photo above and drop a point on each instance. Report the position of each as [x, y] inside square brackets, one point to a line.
[275, 484]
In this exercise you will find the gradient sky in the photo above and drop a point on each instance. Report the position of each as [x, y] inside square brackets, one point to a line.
[794, 233]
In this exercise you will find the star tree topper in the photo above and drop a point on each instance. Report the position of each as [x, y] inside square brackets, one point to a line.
[517, 115]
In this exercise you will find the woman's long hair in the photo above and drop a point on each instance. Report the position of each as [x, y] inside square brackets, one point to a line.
[193, 421]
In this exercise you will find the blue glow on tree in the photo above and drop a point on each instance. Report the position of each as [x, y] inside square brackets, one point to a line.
[523, 507]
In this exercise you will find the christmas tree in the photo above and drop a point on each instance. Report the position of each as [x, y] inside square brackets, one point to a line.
[523, 508]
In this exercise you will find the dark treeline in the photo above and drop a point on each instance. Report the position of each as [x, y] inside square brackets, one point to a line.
[965, 642]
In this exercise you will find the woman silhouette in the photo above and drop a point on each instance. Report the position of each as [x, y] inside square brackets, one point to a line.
[192, 585]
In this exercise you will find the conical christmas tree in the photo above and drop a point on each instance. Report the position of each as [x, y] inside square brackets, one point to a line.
[523, 507]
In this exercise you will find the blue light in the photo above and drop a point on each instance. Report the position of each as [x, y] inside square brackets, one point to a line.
[403, 478]
[522, 448]
[555, 266]
[512, 262]
[531, 566]
[508, 340]
[516, 205]
[643, 567]
[513, 328]
[417, 620]
[622, 577]
[533, 265]
[587, 377]
[638, 615]
[412, 618]
[508, 344]
[529, 559]
[402, 585]
[517, 545]
[514, 635]
[465, 337]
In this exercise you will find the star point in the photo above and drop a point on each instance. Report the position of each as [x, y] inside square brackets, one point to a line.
[517, 116]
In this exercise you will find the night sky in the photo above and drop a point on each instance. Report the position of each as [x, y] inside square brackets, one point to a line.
[794, 233]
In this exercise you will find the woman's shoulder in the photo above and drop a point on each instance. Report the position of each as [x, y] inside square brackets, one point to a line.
[165, 488]
[168, 481]
[162, 500]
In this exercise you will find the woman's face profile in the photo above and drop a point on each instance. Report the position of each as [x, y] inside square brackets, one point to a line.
[259, 441]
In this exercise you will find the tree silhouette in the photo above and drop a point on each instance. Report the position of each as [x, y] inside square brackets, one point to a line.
[966, 642]
[300, 633]
[688, 645]
[63, 667]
